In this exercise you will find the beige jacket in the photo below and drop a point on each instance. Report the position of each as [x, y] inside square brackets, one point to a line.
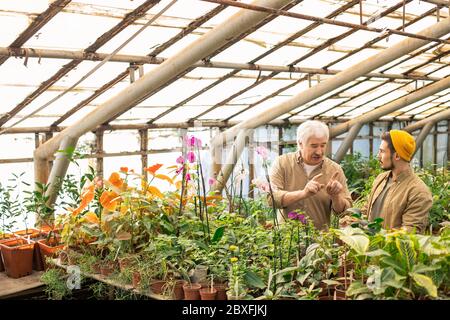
[407, 201]
[288, 174]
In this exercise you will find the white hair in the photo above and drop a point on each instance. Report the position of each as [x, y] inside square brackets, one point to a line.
[311, 128]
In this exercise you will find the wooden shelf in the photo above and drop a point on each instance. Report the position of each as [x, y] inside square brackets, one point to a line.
[10, 288]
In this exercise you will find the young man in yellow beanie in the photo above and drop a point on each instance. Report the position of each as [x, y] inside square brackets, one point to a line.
[398, 195]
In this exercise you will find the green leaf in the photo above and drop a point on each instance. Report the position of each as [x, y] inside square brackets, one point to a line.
[425, 282]
[406, 250]
[218, 234]
[421, 268]
[253, 280]
[357, 288]
[391, 278]
[377, 253]
[391, 262]
[359, 243]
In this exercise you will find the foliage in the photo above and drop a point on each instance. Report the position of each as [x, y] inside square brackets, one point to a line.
[55, 281]
[360, 172]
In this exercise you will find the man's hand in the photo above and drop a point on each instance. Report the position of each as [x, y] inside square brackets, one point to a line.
[313, 186]
[333, 186]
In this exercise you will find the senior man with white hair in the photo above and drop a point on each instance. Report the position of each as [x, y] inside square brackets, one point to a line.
[306, 180]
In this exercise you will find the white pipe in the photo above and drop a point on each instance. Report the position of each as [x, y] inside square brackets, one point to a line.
[59, 169]
[345, 145]
[443, 115]
[399, 103]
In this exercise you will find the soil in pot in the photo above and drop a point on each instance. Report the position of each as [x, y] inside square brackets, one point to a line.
[208, 293]
[192, 291]
[17, 257]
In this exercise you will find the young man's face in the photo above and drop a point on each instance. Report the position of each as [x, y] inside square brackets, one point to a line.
[385, 156]
[313, 150]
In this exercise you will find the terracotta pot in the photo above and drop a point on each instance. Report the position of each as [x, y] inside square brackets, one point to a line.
[4, 238]
[124, 263]
[49, 249]
[107, 268]
[192, 291]
[156, 286]
[340, 293]
[136, 279]
[17, 257]
[33, 233]
[349, 266]
[221, 291]
[96, 267]
[178, 292]
[208, 293]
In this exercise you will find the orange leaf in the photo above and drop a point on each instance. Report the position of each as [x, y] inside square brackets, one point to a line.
[124, 169]
[214, 198]
[91, 217]
[153, 168]
[115, 180]
[178, 185]
[155, 191]
[164, 177]
[172, 167]
[86, 198]
[108, 200]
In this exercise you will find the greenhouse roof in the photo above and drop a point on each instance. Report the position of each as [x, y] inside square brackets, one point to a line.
[62, 59]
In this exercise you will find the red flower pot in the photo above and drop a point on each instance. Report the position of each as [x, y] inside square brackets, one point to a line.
[4, 238]
[208, 293]
[49, 249]
[221, 291]
[178, 292]
[17, 257]
[156, 286]
[192, 291]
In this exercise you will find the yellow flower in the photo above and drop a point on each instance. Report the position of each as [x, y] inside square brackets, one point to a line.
[233, 248]
[233, 259]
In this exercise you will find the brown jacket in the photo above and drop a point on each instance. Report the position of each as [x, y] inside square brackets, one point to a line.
[288, 174]
[407, 201]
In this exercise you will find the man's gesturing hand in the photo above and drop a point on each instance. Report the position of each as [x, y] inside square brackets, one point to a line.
[334, 187]
[313, 186]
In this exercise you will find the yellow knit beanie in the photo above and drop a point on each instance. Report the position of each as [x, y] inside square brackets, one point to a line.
[404, 144]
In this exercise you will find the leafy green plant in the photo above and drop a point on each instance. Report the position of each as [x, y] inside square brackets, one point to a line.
[55, 281]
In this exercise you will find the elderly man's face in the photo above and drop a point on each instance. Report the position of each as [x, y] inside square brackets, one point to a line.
[313, 150]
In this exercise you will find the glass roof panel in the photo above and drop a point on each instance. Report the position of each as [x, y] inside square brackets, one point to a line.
[71, 31]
